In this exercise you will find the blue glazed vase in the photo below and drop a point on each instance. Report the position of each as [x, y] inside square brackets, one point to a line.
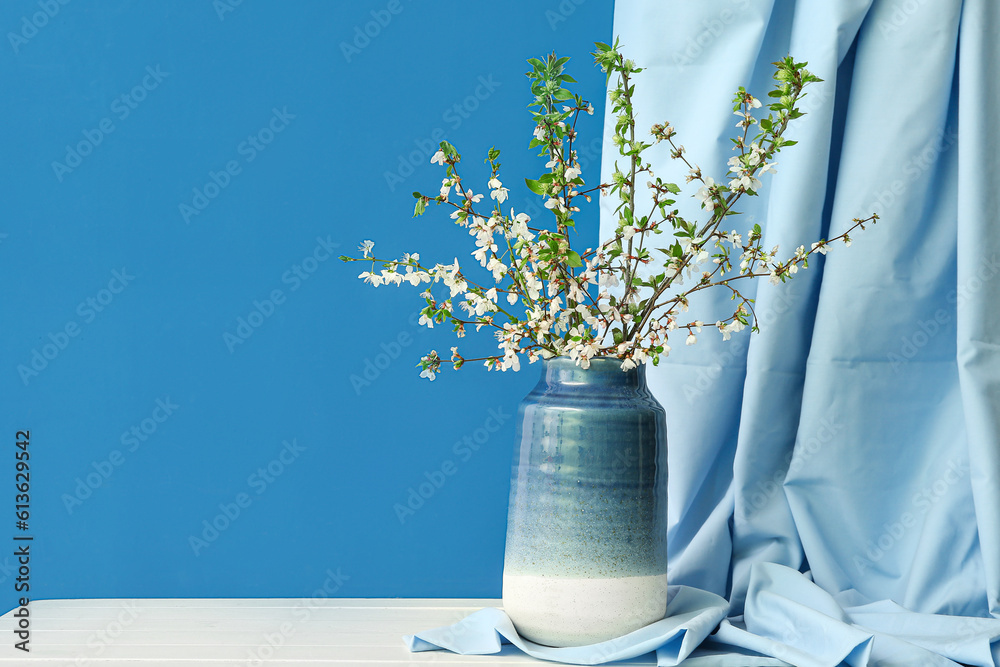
[586, 553]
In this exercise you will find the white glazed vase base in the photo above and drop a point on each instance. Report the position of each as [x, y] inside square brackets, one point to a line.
[568, 611]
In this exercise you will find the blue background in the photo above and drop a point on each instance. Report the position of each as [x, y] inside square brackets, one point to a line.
[331, 367]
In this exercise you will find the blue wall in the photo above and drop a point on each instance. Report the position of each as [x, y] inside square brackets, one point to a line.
[178, 335]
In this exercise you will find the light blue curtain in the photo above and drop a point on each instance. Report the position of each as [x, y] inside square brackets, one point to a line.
[836, 476]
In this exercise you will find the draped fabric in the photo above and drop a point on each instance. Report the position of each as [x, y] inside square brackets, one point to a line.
[835, 476]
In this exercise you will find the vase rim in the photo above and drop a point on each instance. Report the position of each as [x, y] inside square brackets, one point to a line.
[563, 359]
[603, 371]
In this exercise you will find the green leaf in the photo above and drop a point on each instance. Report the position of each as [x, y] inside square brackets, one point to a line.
[419, 208]
[672, 187]
[494, 154]
[534, 186]
[573, 259]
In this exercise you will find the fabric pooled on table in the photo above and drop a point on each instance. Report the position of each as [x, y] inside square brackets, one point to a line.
[691, 615]
[788, 620]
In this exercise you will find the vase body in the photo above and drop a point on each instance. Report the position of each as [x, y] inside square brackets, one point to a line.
[586, 553]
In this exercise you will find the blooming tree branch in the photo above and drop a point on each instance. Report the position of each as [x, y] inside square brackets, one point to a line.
[568, 306]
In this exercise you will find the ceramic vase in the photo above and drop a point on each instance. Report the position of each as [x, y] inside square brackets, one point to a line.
[586, 557]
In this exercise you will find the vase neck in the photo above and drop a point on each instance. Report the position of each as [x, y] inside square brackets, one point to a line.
[603, 371]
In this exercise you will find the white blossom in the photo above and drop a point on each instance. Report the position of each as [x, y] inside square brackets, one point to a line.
[497, 267]
[557, 204]
[724, 329]
[371, 278]
[704, 194]
[497, 191]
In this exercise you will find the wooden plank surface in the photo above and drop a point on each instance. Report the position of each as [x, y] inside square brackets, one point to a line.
[247, 632]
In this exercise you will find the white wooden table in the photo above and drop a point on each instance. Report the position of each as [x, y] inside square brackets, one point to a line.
[248, 632]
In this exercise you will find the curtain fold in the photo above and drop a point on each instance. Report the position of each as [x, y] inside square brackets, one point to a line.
[854, 441]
